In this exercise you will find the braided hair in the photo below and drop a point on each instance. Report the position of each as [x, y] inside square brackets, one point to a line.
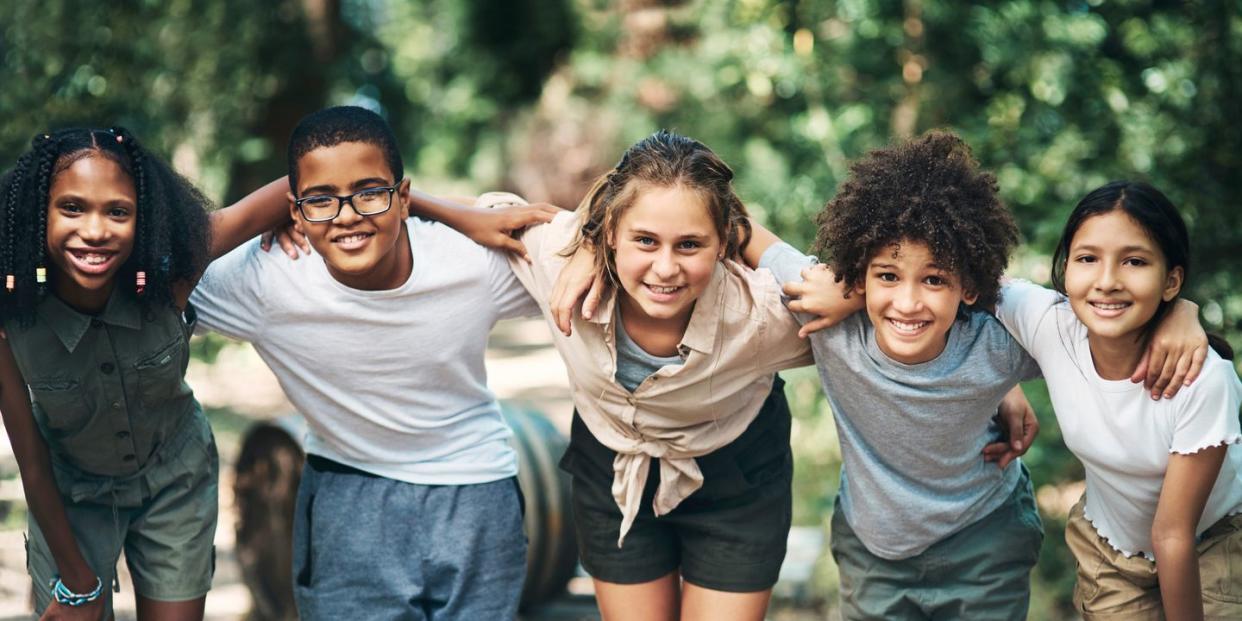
[663, 159]
[171, 236]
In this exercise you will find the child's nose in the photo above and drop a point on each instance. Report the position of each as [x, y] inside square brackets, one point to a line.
[1106, 278]
[665, 264]
[907, 299]
[93, 227]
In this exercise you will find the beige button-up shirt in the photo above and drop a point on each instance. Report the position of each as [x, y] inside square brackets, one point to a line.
[739, 335]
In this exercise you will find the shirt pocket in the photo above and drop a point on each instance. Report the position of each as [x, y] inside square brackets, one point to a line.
[159, 375]
[63, 404]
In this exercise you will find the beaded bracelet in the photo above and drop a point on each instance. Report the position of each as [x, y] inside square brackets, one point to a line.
[64, 596]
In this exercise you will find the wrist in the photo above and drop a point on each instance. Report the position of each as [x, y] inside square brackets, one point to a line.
[80, 580]
[75, 596]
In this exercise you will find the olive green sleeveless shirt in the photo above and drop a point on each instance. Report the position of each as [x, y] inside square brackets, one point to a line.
[108, 389]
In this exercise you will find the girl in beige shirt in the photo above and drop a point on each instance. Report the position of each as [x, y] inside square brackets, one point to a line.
[680, 446]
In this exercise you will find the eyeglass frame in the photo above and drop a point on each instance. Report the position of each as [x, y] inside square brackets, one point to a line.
[347, 198]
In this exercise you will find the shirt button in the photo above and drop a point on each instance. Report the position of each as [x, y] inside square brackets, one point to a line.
[95, 323]
[128, 458]
[116, 405]
[107, 368]
[122, 434]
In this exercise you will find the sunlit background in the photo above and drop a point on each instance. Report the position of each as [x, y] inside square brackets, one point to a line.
[539, 96]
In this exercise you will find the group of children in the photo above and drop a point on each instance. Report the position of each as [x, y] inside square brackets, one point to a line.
[679, 451]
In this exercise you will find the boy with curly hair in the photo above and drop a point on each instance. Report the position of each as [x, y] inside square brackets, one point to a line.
[919, 239]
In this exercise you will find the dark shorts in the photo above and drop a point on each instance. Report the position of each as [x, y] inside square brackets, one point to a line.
[729, 535]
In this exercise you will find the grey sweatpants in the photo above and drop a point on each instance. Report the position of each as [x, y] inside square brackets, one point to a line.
[368, 547]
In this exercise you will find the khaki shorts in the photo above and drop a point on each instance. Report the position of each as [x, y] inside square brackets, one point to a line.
[163, 517]
[1113, 587]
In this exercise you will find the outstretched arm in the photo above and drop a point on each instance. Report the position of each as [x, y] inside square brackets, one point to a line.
[819, 293]
[42, 496]
[261, 210]
[491, 227]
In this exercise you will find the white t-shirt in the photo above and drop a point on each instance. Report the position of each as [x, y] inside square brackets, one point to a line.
[1122, 437]
[390, 382]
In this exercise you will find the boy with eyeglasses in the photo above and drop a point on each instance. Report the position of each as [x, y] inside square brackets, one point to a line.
[408, 506]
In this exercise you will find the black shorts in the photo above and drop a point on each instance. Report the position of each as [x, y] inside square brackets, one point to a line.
[729, 535]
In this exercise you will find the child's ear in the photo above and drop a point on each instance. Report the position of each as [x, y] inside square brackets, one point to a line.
[403, 197]
[1173, 283]
[294, 213]
[969, 298]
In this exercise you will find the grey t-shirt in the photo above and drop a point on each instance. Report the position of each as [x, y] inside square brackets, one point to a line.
[635, 365]
[912, 435]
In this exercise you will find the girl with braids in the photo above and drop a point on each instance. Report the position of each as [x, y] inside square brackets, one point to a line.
[102, 245]
[679, 448]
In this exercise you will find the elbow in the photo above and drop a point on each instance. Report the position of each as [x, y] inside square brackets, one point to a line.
[1166, 539]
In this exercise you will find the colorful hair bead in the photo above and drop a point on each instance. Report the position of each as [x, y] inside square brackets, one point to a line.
[141, 280]
[40, 275]
[9, 283]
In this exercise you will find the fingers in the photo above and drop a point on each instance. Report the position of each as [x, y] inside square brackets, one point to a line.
[1016, 435]
[287, 245]
[1196, 364]
[265, 241]
[794, 289]
[593, 296]
[1140, 371]
[562, 305]
[1030, 429]
[300, 239]
[514, 246]
[1000, 453]
[1155, 366]
[531, 215]
[1167, 370]
[1179, 376]
[814, 325]
[811, 271]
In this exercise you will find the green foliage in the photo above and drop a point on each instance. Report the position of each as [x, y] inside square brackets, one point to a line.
[1056, 97]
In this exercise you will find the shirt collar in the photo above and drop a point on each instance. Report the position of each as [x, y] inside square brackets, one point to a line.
[701, 332]
[70, 325]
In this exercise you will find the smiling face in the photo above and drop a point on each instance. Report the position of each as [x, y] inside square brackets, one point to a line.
[665, 250]
[363, 252]
[91, 218]
[911, 301]
[1116, 277]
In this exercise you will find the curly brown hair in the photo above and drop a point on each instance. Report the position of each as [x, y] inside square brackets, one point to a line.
[931, 190]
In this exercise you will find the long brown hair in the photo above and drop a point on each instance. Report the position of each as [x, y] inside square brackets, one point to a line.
[663, 159]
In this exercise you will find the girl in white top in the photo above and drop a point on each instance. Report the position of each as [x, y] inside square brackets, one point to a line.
[1163, 478]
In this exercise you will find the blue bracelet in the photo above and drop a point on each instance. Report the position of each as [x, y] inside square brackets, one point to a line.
[64, 596]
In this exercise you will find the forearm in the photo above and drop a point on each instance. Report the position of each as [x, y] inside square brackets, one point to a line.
[1177, 569]
[262, 210]
[760, 240]
[455, 212]
[48, 510]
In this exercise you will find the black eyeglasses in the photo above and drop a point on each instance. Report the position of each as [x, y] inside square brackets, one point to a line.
[326, 207]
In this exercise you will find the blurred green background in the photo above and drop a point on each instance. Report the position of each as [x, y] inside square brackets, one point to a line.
[539, 96]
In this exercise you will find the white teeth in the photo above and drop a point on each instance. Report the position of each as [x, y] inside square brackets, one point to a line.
[92, 258]
[352, 238]
[1117, 306]
[662, 289]
[907, 326]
